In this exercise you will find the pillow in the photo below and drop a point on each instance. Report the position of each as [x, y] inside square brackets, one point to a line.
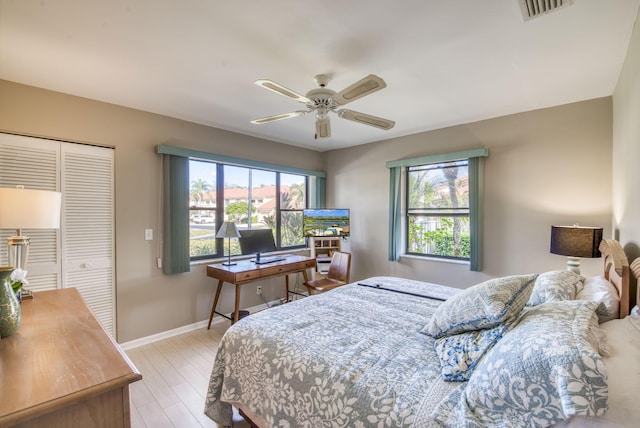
[484, 305]
[555, 285]
[459, 354]
[598, 289]
[544, 370]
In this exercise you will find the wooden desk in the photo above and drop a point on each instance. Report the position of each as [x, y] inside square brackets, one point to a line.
[245, 271]
[61, 369]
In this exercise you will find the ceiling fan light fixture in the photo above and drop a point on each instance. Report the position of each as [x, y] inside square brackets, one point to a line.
[322, 112]
[323, 128]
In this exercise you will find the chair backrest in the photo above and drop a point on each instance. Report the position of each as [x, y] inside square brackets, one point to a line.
[340, 266]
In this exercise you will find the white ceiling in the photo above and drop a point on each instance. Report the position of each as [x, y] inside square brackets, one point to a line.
[444, 62]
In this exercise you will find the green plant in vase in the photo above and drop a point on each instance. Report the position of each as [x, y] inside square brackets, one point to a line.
[18, 280]
[10, 312]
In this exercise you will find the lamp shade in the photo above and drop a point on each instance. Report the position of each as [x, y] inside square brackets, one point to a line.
[228, 229]
[576, 241]
[29, 209]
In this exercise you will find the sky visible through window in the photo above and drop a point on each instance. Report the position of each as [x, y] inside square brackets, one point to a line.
[206, 171]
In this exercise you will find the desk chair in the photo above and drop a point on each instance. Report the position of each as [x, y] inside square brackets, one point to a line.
[338, 274]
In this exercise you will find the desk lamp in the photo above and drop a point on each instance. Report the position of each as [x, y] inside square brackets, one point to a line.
[22, 208]
[575, 242]
[228, 230]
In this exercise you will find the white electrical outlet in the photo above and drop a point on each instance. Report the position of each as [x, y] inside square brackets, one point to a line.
[259, 289]
[148, 234]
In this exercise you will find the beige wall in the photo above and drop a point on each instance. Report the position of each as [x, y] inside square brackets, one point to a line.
[626, 150]
[148, 302]
[545, 167]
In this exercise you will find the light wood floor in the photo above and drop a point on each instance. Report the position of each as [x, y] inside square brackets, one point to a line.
[175, 376]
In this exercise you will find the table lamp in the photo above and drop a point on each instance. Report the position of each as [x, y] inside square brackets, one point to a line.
[22, 208]
[575, 242]
[228, 230]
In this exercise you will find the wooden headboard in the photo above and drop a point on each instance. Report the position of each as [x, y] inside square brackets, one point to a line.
[633, 287]
[618, 272]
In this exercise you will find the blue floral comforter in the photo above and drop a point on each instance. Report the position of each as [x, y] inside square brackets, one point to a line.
[355, 357]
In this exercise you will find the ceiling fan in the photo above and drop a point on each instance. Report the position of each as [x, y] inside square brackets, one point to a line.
[323, 100]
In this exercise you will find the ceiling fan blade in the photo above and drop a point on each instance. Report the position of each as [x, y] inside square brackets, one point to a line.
[279, 89]
[361, 88]
[323, 128]
[366, 119]
[279, 117]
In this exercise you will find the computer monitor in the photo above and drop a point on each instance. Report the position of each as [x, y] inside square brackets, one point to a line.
[256, 241]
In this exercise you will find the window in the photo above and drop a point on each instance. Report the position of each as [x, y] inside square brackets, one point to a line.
[438, 210]
[199, 187]
[442, 206]
[253, 198]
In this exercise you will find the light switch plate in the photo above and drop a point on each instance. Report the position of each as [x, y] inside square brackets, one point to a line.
[148, 234]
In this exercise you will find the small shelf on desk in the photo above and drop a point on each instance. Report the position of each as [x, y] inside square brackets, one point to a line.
[322, 249]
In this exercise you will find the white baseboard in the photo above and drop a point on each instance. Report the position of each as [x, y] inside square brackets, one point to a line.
[187, 328]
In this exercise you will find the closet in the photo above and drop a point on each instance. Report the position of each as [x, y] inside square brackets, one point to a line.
[81, 253]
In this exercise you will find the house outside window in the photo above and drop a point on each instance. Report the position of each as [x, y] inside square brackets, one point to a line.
[253, 198]
[437, 201]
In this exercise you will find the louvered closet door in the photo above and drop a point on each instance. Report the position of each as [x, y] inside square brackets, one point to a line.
[34, 164]
[87, 232]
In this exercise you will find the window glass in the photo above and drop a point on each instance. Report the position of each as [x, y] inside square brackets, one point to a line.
[438, 210]
[293, 200]
[252, 198]
[202, 208]
[263, 199]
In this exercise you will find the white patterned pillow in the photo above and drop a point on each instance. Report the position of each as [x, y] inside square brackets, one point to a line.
[482, 306]
[459, 354]
[544, 370]
[555, 285]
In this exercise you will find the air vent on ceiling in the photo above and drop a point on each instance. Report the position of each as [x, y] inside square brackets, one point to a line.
[534, 8]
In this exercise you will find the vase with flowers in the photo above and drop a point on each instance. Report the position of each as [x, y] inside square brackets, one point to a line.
[18, 280]
[10, 311]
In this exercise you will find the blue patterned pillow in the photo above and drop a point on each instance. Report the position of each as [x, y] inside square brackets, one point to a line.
[459, 354]
[482, 306]
[544, 370]
[555, 285]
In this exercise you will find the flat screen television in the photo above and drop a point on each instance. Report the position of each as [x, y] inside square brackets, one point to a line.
[256, 241]
[326, 222]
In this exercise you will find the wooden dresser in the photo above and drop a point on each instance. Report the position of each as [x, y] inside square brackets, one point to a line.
[61, 369]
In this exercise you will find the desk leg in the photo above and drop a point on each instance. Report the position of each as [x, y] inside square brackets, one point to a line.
[215, 302]
[306, 277]
[235, 314]
[286, 284]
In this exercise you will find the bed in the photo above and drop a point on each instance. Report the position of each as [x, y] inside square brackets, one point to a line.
[525, 350]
